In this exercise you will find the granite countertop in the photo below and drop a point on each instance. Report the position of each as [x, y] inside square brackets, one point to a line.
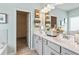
[68, 44]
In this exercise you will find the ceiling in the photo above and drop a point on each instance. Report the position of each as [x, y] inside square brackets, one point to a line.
[68, 6]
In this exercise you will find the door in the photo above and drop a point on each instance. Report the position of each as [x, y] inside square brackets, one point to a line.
[23, 28]
[21, 24]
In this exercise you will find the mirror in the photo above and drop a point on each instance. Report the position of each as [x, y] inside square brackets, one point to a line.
[56, 17]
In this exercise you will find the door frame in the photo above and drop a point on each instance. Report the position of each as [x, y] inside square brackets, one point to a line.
[29, 26]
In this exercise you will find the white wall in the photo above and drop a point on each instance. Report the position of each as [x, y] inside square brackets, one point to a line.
[3, 36]
[10, 10]
[73, 13]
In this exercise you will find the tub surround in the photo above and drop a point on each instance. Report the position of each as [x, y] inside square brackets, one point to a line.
[69, 44]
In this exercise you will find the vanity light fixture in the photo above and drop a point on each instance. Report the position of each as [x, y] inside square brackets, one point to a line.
[49, 7]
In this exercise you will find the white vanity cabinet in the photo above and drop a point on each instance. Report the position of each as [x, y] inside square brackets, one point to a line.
[44, 46]
[39, 49]
[35, 41]
[38, 44]
[54, 46]
[47, 50]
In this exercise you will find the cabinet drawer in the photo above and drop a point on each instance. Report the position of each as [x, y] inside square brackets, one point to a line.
[54, 46]
[67, 52]
[49, 51]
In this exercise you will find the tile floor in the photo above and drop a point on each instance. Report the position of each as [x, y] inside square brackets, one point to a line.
[22, 48]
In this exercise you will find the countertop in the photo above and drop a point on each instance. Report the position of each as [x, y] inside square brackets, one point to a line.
[68, 44]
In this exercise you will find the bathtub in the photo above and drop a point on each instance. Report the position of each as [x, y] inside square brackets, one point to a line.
[3, 48]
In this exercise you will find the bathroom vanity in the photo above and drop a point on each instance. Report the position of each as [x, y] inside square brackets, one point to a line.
[57, 23]
[46, 45]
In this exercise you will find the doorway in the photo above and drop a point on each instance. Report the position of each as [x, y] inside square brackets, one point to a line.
[22, 30]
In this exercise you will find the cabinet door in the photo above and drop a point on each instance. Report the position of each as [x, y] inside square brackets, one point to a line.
[39, 50]
[36, 41]
[54, 46]
[47, 50]
[38, 44]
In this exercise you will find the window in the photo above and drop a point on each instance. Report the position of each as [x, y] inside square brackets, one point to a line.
[74, 23]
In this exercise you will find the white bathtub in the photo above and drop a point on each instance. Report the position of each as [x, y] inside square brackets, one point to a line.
[3, 49]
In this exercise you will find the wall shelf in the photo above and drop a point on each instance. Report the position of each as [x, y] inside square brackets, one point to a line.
[37, 20]
[47, 20]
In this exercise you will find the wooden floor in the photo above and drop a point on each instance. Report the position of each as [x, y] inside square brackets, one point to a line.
[22, 48]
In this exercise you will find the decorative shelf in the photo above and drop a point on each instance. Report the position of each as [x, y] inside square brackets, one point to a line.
[37, 20]
[47, 20]
[37, 13]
